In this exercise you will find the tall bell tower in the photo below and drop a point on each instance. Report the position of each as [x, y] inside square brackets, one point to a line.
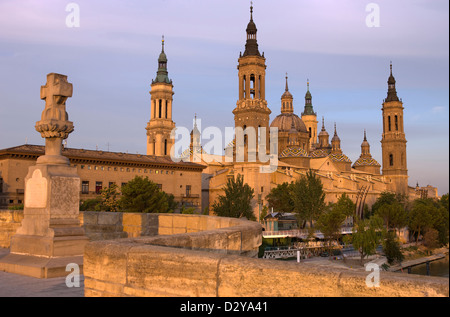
[160, 125]
[393, 142]
[251, 108]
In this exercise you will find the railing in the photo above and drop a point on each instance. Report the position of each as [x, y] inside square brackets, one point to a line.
[300, 233]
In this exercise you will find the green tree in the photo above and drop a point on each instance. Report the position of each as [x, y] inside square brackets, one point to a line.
[391, 248]
[421, 217]
[236, 202]
[110, 198]
[308, 198]
[330, 224]
[431, 238]
[393, 214]
[280, 198]
[366, 236]
[173, 205]
[93, 204]
[142, 195]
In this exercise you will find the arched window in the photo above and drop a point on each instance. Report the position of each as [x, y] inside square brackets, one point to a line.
[391, 160]
[160, 108]
[389, 123]
[396, 123]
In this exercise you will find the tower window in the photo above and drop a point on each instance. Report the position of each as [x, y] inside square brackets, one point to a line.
[389, 123]
[154, 147]
[244, 82]
[391, 160]
[310, 133]
[396, 123]
[165, 147]
[160, 108]
[166, 110]
[252, 86]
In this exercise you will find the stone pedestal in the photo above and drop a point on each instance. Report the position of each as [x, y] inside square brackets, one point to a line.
[50, 236]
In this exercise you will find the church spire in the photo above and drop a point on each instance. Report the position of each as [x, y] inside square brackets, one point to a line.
[308, 102]
[287, 105]
[162, 74]
[392, 92]
[251, 46]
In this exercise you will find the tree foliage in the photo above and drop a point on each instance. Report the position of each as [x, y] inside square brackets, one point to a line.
[110, 198]
[280, 198]
[308, 198]
[142, 195]
[391, 248]
[366, 236]
[236, 201]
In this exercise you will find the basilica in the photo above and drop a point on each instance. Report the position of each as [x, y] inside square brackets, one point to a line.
[197, 178]
[302, 143]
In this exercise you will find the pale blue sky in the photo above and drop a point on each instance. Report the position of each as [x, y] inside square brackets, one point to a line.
[112, 58]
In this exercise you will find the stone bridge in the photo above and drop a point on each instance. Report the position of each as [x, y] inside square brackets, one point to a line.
[193, 255]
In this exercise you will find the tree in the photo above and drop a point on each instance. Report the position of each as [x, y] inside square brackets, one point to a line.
[236, 202]
[308, 198]
[366, 236]
[391, 248]
[280, 198]
[431, 238]
[393, 214]
[142, 195]
[330, 224]
[110, 198]
[93, 204]
[420, 217]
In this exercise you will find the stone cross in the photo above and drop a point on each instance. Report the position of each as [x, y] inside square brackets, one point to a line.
[54, 125]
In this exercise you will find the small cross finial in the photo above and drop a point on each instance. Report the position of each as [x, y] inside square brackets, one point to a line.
[251, 10]
[287, 82]
[307, 83]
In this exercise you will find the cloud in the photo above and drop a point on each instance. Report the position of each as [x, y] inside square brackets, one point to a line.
[437, 109]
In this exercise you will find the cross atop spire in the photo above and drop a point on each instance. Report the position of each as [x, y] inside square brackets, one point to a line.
[251, 10]
[287, 82]
[162, 41]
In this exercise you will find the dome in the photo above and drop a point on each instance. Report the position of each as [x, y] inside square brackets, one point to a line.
[294, 151]
[162, 57]
[366, 162]
[285, 121]
[287, 95]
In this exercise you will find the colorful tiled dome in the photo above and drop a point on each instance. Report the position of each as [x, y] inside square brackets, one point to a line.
[294, 151]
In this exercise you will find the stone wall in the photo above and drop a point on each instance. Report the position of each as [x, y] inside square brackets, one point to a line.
[10, 221]
[210, 263]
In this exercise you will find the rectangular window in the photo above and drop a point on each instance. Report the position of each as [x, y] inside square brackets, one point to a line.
[1, 185]
[111, 183]
[389, 123]
[85, 187]
[188, 190]
[98, 187]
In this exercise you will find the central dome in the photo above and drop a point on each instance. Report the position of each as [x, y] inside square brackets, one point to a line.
[285, 121]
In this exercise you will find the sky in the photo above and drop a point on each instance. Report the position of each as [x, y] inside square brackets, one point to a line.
[343, 47]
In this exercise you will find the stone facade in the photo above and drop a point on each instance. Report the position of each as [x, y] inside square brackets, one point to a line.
[98, 169]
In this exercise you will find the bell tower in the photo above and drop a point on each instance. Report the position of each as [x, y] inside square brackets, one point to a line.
[251, 108]
[160, 125]
[393, 142]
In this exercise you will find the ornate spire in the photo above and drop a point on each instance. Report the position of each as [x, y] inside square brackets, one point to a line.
[308, 102]
[392, 92]
[287, 89]
[251, 46]
[162, 74]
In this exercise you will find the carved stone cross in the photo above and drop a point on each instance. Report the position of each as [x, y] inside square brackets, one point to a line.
[54, 125]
